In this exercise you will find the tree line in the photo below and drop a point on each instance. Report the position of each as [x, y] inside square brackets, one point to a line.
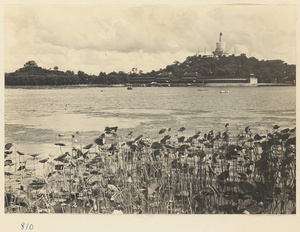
[267, 71]
[32, 74]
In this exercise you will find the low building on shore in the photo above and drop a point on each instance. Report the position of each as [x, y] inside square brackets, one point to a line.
[195, 80]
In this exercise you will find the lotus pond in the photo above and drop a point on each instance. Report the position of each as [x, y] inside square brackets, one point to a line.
[226, 172]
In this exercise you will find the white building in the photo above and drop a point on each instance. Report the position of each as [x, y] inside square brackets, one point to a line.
[220, 48]
[252, 79]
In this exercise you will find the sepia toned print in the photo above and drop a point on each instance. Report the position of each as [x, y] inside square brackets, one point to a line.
[150, 109]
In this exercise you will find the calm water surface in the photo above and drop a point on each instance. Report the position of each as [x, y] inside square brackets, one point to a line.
[35, 117]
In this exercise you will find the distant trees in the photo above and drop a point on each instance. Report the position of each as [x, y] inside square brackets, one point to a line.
[83, 78]
[31, 64]
[231, 66]
[31, 74]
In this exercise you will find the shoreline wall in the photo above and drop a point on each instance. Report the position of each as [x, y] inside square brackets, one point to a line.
[139, 85]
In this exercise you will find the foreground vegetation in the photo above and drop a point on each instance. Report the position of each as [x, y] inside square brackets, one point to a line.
[223, 173]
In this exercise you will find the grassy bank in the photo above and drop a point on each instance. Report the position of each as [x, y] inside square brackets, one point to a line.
[205, 173]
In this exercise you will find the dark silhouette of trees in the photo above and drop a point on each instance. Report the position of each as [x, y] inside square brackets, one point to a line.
[269, 71]
[30, 63]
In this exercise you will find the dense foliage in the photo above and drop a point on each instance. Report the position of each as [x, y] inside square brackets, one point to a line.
[269, 71]
[31, 74]
[217, 173]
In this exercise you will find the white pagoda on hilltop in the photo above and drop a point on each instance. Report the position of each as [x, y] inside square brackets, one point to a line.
[221, 48]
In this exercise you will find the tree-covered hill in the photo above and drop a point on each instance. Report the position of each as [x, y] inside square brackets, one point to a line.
[267, 71]
[32, 74]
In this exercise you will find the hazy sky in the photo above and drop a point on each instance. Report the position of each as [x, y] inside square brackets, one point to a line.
[119, 37]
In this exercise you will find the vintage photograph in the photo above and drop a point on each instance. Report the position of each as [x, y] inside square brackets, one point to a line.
[149, 109]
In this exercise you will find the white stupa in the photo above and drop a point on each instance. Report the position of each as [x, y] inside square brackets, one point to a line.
[221, 48]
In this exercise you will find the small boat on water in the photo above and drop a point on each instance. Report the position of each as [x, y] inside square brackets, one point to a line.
[202, 89]
[225, 91]
[129, 87]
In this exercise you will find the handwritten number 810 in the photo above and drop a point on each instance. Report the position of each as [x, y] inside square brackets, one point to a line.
[26, 226]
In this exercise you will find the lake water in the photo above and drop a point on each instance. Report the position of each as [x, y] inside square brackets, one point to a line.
[35, 117]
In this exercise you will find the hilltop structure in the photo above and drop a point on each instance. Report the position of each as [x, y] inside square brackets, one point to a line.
[220, 48]
[193, 78]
